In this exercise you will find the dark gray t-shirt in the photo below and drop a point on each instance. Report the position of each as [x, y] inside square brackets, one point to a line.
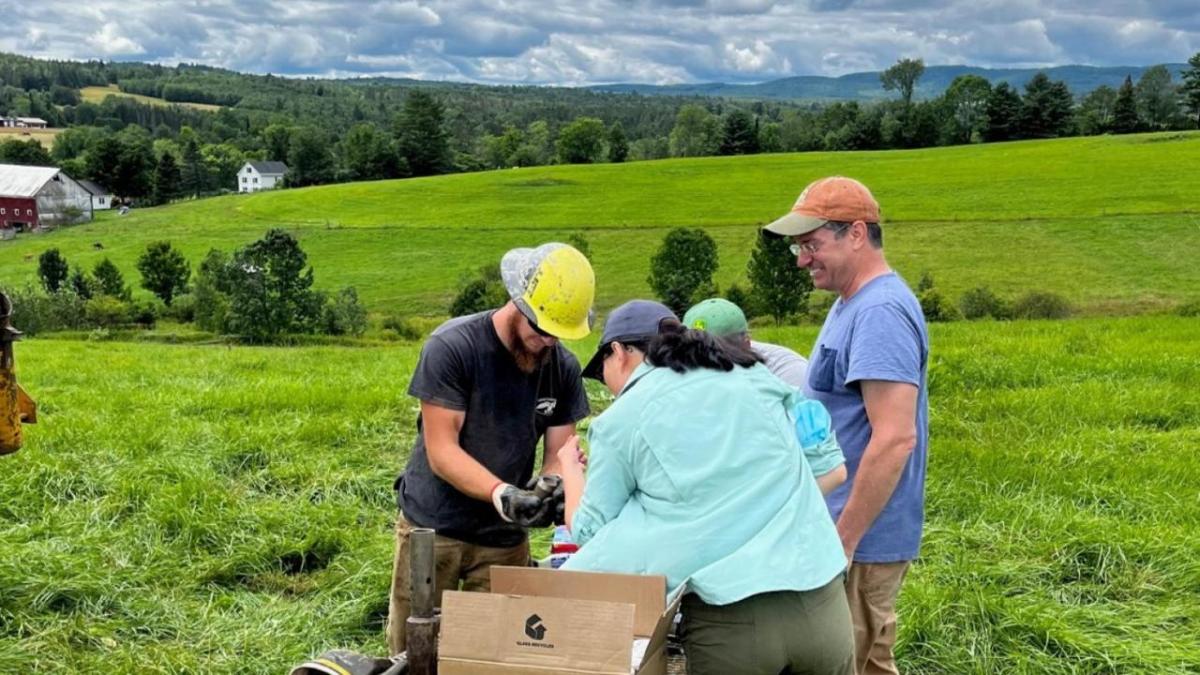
[464, 366]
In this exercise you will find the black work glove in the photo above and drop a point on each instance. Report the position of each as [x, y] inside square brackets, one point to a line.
[550, 487]
[522, 507]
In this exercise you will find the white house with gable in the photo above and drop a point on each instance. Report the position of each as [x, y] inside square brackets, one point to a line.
[255, 176]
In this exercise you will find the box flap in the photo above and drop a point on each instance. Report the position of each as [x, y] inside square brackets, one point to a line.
[658, 639]
[647, 593]
[546, 632]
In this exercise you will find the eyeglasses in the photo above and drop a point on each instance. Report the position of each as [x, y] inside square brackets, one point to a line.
[810, 247]
[538, 330]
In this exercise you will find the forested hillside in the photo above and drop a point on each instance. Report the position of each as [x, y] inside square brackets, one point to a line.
[128, 135]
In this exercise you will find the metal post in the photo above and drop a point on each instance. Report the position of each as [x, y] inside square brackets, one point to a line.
[422, 625]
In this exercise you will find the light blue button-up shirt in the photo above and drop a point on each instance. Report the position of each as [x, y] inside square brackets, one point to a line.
[699, 476]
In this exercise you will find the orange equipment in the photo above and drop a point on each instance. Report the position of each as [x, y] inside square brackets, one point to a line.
[16, 408]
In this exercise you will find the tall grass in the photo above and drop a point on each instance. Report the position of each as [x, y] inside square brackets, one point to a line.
[193, 508]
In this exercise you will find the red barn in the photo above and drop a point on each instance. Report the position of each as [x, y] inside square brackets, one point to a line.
[33, 196]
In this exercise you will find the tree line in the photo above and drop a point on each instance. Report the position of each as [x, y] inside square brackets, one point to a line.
[339, 131]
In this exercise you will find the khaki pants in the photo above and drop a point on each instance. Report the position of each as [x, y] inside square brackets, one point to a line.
[871, 589]
[456, 562]
[797, 632]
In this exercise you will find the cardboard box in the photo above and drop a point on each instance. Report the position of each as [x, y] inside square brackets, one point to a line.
[555, 622]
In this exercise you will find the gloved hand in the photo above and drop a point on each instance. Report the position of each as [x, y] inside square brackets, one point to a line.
[526, 508]
[550, 486]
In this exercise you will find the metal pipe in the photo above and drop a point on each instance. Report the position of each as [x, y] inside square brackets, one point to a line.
[421, 628]
[422, 569]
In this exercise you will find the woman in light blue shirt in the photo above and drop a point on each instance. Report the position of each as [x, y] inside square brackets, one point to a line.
[695, 472]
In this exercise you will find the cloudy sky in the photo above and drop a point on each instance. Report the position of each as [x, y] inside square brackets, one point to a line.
[602, 41]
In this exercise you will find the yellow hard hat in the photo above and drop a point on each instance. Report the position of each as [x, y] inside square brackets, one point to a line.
[553, 286]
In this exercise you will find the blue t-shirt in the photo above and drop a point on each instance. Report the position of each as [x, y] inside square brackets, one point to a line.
[878, 334]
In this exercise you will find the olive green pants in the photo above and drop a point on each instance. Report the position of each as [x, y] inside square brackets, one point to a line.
[458, 564]
[780, 633]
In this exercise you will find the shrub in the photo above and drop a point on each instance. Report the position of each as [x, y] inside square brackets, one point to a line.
[936, 307]
[740, 297]
[37, 312]
[1041, 305]
[343, 314]
[981, 303]
[182, 309]
[210, 305]
[581, 244]
[405, 329]
[145, 313]
[684, 263]
[105, 311]
[481, 293]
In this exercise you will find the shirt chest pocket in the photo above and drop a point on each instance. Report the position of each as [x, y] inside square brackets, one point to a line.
[822, 373]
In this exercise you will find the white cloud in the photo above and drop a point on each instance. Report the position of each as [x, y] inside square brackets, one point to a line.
[109, 42]
[593, 41]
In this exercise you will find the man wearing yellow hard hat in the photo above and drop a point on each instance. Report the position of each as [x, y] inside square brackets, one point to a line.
[491, 385]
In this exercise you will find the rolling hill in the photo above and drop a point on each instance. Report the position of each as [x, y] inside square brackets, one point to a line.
[1108, 222]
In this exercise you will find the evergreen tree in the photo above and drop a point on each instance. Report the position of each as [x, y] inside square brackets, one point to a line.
[1003, 113]
[167, 179]
[164, 270]
[777, 286]
[421, 134]
[1190, 90]
[738, 134]
[1125, 115]
[1046, 108]
[618, 145]
[80, 283]
[194, 174]
[52, 270]
[109, 280]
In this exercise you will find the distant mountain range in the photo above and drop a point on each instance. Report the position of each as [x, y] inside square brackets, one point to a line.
[866, 87]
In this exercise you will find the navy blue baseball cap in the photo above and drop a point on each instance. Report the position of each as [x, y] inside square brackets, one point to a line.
[634, 321]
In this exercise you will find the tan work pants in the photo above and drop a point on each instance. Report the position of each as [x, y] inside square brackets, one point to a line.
[871, 589]
[456, 561]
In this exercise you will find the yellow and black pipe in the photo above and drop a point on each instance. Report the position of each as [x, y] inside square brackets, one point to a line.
[16, 408]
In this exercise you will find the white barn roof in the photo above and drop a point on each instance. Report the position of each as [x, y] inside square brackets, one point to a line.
[24, 181]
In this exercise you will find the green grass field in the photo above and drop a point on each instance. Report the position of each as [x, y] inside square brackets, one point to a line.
[98, 94]
[199, 508]
[1112, 223]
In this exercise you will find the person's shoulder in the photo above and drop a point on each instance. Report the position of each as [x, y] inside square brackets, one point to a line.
[887, 293]
[462, 331]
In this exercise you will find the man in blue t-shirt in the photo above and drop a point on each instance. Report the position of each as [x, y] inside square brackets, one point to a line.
[868, 367]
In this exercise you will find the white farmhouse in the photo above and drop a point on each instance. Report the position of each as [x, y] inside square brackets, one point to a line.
[102, 198]
[255, 176]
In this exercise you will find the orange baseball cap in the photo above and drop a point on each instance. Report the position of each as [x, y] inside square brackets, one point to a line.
[836, 198]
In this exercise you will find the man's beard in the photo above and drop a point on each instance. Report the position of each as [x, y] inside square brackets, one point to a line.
[526, 360]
